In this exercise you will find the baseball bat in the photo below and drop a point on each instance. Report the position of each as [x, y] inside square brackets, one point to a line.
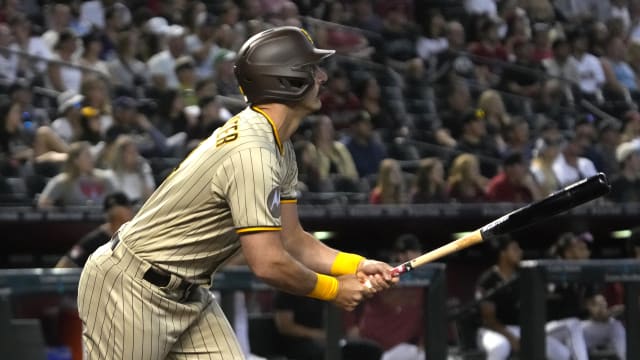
[560, 201]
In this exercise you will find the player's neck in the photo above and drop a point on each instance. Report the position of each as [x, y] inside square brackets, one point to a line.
[285, 119]
[505, 270]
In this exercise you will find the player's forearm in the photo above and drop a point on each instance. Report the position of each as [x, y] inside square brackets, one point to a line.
[286, 273]
[312, 253]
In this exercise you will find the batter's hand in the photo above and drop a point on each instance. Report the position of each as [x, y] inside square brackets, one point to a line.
[351, 292]
[377, 273]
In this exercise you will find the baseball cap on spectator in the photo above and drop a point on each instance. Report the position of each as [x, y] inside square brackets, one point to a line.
[157, 25]
[116, 199]
[184, 62]
[174, 31]
[624, 150]
[68, 99]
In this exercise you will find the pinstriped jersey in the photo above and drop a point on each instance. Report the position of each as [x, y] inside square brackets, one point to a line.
[232, 183]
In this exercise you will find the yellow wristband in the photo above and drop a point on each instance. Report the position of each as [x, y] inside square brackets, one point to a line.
[326, 288]
[345, 264]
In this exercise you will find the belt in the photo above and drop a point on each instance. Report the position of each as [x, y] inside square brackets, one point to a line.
[160, 278]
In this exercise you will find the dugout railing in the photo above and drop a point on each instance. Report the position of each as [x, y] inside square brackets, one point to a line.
[536, 274]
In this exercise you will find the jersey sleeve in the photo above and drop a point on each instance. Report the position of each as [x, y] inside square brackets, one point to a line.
[290, 182]
[252, 188]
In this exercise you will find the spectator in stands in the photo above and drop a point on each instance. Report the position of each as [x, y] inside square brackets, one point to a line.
[8, 61]
[516, 137]
[129, 119]
[547, 149]
[487, 8]
[202, 46]
[458, 103]
[498, 295]
[496, 116]
[619, 76]
[433, 41]
[225, 79]
[20, 145]
[631, 129]
[333, 158]
[570, 165]
[633, 57]
[21, 93]
[368, 92]
[125, 70]
[79, 184]
[454, 62]
[31, 44]
[186, 76]
[63, 73]
[67, 126]
[541, 43]
[390, 185]
[514, 183]
[394, 320]
[212, 114]
[364, 17]
[96, 94]
[308, 169]
[161, 65]
[429, 185]
[475, 140]
[59, 19]
[130, 171]
[608, 133]
[562, 68]
[366, 150]
[90, 129]
[91, 51]
[399, 35]
[625, 186]
[343, 40]
[339, 101]
[117, 210]
[518, 30]
[488, 50]
[465, 184]
[590, 74]
[524, 76]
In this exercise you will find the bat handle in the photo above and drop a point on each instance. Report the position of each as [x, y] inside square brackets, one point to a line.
[402, 268]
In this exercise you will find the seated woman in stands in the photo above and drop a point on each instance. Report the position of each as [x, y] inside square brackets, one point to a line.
[79, 184]
[390, 187]
[465, 183]
[429, 185]
[131, 172]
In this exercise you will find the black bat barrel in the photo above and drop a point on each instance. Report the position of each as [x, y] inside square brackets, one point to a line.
[560, 201]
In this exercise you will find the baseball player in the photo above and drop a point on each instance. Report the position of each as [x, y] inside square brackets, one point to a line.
[144, 295]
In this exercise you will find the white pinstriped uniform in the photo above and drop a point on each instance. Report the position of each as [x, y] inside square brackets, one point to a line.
[232, 183]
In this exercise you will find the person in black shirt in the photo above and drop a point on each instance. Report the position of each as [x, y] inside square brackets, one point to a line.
[118, 210]
[625, 186]
[497, 291]
[475, 140]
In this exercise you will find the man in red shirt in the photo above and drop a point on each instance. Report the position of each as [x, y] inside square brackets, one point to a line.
[514, 183]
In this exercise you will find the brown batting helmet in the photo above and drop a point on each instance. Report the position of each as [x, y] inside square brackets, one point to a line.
[277, 65]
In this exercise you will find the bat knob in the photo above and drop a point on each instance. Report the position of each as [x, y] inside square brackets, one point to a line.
[396, 271]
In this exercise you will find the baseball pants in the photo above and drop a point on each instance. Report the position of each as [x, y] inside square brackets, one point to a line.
[610, 333]
[125, 316]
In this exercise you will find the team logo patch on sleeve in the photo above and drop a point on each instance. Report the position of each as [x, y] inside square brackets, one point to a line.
[273, 202]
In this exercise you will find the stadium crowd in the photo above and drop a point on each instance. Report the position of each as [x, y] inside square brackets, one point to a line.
[440, 101]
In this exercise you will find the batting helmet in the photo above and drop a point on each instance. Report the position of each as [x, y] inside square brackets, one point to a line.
[277, 65]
